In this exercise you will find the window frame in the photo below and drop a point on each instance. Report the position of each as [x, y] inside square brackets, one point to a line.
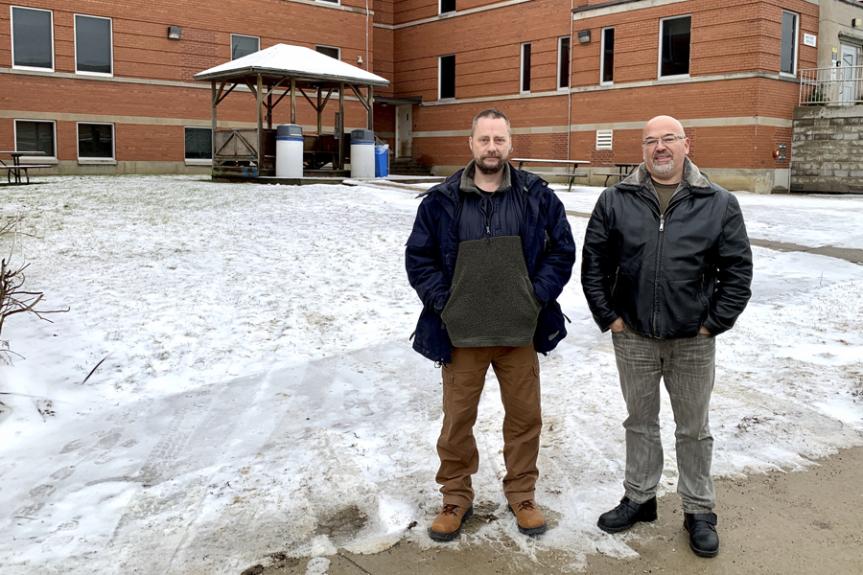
[560, 60]
[440, 95]
[602, 70]
[662, 22]
[12, 9]
[52, 158]
[336, 48]
[110, 45]
[197, 161]
[231, 47]
[524, 75]
[334, 2]
[96, 159]
[795, 44]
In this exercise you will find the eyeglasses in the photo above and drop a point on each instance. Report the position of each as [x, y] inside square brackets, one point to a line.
[667, 140]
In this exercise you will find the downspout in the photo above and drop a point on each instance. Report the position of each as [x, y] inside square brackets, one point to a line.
[569, 86]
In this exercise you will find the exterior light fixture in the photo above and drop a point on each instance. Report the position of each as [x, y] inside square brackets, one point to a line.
[175, 32]
[584, 36]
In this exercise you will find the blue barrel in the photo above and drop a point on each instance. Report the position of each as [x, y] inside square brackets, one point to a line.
[382, 160]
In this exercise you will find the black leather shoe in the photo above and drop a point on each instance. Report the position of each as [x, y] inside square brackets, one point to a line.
[627, 514]
[703, 539]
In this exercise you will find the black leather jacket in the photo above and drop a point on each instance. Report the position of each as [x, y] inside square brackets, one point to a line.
[667, 275]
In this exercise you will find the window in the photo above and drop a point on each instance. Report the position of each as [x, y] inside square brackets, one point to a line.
[244, 45]
[446, 84]
[329, 51]
[674, 43]
[329, 1]
[93, 50]
[606, 64]
[563, 62]
[525, 68]
[95, 141]
[446, 6]
[788, 54]
[35, 136]
[32, 39]
[199, 144]
[604, 139]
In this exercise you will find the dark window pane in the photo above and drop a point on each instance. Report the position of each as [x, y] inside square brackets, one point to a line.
[32, 43]
[95, 141]
[93, 44]
[447, 77]
[447, 6]
[563, 63]
[675, 46]
[608, 55]
[788, 55]
[525, 67]
[35, 136]
[329, 51]
[199, 144]
[243, 46]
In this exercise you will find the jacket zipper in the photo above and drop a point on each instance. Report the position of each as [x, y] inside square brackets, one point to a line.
[674, 201]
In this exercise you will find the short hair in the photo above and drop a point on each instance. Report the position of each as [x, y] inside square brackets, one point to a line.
[492, 113]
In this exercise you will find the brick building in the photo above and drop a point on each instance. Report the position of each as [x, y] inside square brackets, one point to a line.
[578, 78]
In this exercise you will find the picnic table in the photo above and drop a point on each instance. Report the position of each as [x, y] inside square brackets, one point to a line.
[570, 165]
[16, 168]
[620, 171]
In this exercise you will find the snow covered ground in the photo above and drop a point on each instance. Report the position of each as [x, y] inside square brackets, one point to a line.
[258, 392]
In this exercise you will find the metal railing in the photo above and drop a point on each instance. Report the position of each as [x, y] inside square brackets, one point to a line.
[834, 86]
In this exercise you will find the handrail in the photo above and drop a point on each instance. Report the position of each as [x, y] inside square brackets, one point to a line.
[834, 86]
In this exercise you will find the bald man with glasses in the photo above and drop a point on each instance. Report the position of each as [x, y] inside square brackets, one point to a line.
[666, 268]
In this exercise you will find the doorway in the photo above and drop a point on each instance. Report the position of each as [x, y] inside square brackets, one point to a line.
[850, 74]
[404, 130]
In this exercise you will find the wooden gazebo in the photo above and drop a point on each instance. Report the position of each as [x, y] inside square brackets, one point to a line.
[271, 75]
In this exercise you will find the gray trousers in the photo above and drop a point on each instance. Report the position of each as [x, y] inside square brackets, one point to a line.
[687, 366]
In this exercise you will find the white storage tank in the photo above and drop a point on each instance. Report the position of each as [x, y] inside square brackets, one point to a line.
[362, 154]
[289, 151]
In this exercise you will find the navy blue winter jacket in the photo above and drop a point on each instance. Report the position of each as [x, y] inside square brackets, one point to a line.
[430, 257]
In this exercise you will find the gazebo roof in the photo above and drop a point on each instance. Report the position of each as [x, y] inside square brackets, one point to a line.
[298, 62]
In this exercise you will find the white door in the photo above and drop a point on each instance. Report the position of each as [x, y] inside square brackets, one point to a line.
[849, 90]
[404, 130]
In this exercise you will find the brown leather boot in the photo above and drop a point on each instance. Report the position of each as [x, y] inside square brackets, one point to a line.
[529, 518]
[447, 525]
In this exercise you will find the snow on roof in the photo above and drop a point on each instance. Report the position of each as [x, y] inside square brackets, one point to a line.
[296, 61]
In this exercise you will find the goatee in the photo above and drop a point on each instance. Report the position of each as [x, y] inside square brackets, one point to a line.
[489, 170]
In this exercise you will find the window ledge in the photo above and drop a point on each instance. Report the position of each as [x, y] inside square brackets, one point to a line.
[199, 162]
[38, 160]
[97, 162]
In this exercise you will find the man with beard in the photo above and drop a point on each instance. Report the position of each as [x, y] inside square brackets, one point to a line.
[666, 267]
[489, 254]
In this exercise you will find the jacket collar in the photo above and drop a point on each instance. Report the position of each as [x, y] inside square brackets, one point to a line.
[520, 180]
[693, 179]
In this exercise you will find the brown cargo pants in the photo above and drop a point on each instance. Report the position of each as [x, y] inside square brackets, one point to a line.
[517, 370]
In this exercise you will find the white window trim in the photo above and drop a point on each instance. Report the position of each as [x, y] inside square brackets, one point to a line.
[521, 89]
[338, 2]
[12, 39]
[440, 9]
[197, 161]
[231, 45]
[793, 73]
[110, 47]
[602, 56]
[662, 21]
[92, 160]
[560, 56]
[41, 159]
[440, 79]
[336, 48]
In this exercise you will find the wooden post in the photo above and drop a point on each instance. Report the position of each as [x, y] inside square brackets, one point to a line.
[319, 110]
[341, 127]
[260, 99]
[214, 124]
[293, 101]
[371, 112]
